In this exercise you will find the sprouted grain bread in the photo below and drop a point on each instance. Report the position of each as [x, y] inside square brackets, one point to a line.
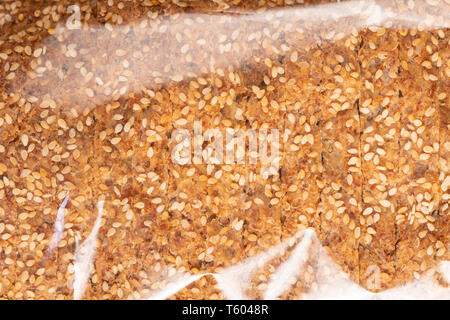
[92, 93]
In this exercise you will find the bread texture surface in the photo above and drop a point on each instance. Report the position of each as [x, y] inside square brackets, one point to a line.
[93, 94]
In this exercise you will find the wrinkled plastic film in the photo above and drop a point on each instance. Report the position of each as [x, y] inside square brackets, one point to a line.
[223, 150]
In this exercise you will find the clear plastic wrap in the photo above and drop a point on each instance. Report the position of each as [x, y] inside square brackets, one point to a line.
[224, 149]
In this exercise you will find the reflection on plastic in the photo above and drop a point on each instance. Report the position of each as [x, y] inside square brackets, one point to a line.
[154, 72]
[84, 257]
[333, 283]
[59, 227]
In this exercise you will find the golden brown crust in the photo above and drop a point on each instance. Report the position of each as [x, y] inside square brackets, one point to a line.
[419, 196]
[380, 126]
